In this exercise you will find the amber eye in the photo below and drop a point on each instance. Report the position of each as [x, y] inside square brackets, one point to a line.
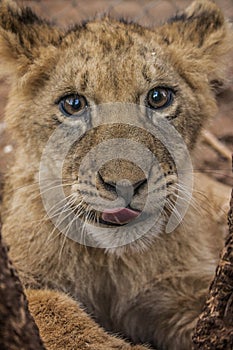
[72, 105]
[159, 98]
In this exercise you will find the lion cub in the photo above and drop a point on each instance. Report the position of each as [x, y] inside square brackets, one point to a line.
[100, 202]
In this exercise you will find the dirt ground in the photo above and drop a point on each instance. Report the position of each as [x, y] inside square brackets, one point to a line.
[67, 12]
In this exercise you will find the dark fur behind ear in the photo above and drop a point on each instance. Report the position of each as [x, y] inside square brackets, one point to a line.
[201, 38]
[12, 16]
[201, 19]
[22, 34]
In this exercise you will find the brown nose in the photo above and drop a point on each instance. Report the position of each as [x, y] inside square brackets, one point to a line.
[123, 188]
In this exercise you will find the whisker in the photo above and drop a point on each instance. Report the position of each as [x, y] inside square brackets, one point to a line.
[83, 238]
[69, 225]
[35, 183]
[43, 220]
[56, 227]
[58, 204]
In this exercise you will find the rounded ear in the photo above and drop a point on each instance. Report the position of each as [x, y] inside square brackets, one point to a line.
[199, 23]
[202, 37]
[22, 34]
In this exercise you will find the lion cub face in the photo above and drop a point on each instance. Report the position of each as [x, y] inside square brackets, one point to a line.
[112, 85]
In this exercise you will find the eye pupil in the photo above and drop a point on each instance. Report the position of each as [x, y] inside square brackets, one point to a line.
[76, 103]
[156, 95]
[73, 102]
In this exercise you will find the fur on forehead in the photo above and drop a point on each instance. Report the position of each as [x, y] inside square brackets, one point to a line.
[197, 39]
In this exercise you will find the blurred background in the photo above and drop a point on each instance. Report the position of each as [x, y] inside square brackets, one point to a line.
[149, 13]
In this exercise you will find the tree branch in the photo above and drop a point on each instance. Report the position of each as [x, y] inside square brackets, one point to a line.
[214, 329]
[17, 327]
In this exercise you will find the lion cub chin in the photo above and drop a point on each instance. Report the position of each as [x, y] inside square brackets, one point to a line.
[101, 203]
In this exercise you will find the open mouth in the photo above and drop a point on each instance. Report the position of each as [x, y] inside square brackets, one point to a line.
[112, 217]
[118, 216]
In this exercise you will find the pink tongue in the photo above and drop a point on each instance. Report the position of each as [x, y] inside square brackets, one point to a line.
[119, 215]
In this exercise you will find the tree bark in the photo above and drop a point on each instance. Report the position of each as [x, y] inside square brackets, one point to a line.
[17, 327]
[214, 329]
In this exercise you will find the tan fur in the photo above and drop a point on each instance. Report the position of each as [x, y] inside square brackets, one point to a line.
[64, 325]
[152, 290]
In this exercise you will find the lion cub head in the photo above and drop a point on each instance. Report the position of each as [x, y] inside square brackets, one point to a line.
[109, 110]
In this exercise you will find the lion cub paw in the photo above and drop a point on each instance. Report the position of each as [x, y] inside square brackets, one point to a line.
[64, 325]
